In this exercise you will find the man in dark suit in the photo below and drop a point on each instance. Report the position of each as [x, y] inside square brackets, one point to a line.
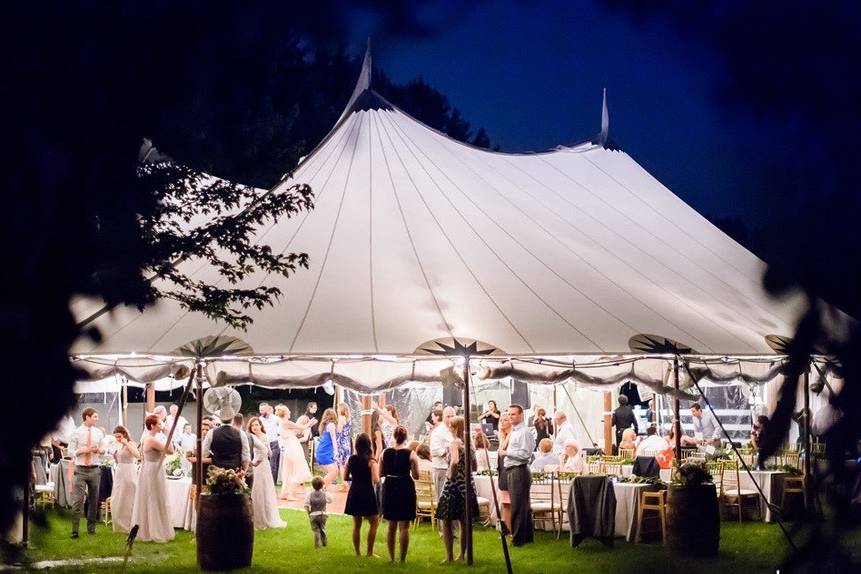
[623, 418]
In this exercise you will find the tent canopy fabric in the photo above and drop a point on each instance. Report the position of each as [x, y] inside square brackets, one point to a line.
[416, 237]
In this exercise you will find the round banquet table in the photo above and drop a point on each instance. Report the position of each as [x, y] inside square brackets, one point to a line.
[627, 504]
[180, 505]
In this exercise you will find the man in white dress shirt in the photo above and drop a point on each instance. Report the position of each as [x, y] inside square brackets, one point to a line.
[85, 447]
[521, 445]
[271, 426]
[161, 412]
[440, 440]
[227, 446]
[564, 432]
[705, 425]
[61, 436]
[168, 423]
[652, 444]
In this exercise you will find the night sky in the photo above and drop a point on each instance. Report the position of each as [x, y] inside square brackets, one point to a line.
[532, 73]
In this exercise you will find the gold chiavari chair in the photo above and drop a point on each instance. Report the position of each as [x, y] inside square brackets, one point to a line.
[544, 500]
[626, 453]
[731, 493]
[425, 499]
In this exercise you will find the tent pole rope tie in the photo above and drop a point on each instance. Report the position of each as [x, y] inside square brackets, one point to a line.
[778, 519]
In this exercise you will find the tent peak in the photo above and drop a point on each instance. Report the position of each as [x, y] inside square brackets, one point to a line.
[363, 84]
[603, 137]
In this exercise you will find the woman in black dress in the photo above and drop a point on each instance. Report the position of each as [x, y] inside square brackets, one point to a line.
[400, 466]
[452, 502]
[362, 498]
[491, 415]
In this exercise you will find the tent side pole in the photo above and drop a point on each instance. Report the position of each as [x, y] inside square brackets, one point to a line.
[467, 463]
[124, 398]
[150, 398]
[366, 417]
[808, 458]
[608, 423]
[676, 407]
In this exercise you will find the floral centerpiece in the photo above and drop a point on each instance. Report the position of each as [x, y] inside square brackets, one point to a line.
[173, 466]
[692, 473]
[221, 481]
[653, 480]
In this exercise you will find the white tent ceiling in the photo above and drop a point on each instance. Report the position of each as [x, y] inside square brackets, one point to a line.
[417, 237]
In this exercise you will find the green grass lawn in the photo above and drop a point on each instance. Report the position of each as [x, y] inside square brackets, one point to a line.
[750, 547]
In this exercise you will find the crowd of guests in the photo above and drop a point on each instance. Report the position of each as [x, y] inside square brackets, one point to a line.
[380, 467]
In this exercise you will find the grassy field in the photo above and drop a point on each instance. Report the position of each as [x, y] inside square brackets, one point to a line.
[750, 547]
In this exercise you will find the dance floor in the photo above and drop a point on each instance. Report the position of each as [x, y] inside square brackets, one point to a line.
[339, 499]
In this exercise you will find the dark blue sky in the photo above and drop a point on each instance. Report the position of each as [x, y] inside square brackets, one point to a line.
[532, 73]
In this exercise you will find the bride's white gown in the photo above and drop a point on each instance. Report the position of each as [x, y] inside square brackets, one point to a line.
[294, 467]
[150, 512]
[263, 497]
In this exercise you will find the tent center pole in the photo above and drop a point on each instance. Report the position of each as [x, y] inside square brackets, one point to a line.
[608, 423]
[467, 463]
[198, 470]
[807, 445]
[677, 423]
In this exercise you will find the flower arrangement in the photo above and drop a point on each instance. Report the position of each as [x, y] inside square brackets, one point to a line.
[653, 480]
[692, 473]
[173, 465]
[221, 481]
[783, 468]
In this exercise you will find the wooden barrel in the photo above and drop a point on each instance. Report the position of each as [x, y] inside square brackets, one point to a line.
[225, 532]
[693, 520]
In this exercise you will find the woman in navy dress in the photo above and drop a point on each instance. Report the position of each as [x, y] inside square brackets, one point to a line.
[363, 471]
[400, 466]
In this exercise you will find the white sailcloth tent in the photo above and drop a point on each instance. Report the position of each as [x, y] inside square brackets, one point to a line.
[416, 238]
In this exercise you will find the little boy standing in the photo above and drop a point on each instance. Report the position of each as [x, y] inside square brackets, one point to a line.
[315, 505]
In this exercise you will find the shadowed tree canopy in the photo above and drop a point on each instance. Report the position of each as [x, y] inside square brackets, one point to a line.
[234, 89]
[794, 66]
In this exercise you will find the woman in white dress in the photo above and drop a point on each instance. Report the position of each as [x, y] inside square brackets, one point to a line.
[295, 471]
[150, 511]
[264, 500]
[125, 481]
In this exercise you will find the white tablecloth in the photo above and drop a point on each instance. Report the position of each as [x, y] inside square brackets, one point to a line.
[627, 503]
[771, 483]
[179, 503]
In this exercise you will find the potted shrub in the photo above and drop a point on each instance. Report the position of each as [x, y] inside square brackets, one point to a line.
[225, 522]
[693, 513]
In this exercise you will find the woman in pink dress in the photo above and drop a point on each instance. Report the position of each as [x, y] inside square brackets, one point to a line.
[295, 471]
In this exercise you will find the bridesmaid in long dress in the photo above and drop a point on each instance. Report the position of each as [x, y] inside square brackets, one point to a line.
[264, 500]
[150, 512]
[294, 467]
[125, 481]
